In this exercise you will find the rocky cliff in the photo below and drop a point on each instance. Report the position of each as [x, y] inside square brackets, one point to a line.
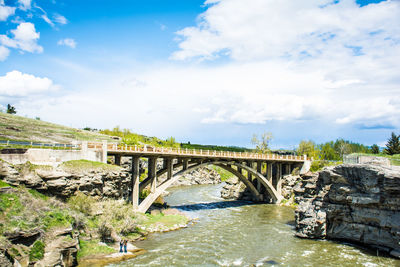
[95, 180]
[357, 203]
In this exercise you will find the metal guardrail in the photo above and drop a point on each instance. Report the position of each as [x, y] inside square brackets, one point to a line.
[36, 144]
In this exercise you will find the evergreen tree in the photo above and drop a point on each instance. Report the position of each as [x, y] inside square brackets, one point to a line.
[393, 145]
[11, 109]
[375, 149]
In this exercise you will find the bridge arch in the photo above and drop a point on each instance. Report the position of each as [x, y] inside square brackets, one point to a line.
[156, 191]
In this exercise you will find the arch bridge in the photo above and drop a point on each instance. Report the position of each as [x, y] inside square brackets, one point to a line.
[261, 173]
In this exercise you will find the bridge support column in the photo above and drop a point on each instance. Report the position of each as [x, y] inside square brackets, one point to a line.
[104, 151]
[135, 183]
[269, 172]
[238, 169]
[169, 167]
[279, 178]
[259, 170]
[185, 164]
[250, 164]
[117, 160]
[288, 168]
[152, 162]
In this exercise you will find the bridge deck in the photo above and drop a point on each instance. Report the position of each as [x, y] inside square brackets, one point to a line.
[148, 151]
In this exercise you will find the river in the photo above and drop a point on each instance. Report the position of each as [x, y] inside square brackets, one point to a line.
[238, 233]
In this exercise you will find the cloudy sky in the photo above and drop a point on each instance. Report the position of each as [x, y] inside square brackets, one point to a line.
[211, 72]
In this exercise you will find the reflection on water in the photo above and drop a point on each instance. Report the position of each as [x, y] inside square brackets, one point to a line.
[239, 233]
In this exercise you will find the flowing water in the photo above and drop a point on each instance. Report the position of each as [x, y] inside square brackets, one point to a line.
[237, 233]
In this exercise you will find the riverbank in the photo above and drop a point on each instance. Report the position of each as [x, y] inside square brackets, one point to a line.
[38, 229]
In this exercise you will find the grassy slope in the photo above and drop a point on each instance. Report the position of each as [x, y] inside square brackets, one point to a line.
[17, 128]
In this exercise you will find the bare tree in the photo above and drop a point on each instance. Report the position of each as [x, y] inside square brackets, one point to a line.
[262, 144]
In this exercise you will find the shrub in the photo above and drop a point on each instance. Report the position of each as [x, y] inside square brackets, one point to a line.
[81, 203]
[105, 231]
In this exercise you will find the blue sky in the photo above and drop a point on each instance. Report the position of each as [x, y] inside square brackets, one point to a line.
[212, 72]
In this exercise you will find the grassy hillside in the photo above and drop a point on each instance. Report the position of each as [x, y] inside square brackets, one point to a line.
[17, 128]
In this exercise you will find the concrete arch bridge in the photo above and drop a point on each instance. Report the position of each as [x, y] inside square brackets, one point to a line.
[264, 171]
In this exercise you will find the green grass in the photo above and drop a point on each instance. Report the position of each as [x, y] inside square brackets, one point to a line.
[11, 204]
[88, 248]
[28, 166]
[56, 218]
[87, 165]
[4, 184]
[17, 128]
[318, 165]
[37, 251]
[36, 194]
[225, 175]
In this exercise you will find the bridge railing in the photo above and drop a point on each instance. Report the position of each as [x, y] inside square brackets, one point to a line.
[194, 152]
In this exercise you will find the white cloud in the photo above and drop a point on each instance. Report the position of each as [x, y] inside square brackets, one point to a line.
[15, 83]
[47, 20]
[25, 38]
[304, 60]
[6, 11]
[25, 4]
[4, 52]
[60, 19]
[291, 29]
[67, 42]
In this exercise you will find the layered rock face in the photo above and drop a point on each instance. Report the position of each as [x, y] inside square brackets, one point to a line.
[56, 182]
[358, 203]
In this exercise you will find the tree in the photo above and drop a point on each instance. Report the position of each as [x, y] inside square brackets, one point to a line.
[262, 144]
[307, 148]
[170, 142]
[393, 145]
[327, 151]
[11, 109]
[375, 149]
[342, 147]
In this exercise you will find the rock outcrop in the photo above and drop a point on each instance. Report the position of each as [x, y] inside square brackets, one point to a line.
[58, 182]
[356, 203]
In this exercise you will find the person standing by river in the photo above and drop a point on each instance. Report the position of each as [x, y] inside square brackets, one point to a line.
[121, 243]
[125, 245]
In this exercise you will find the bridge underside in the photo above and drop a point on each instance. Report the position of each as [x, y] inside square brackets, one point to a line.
[263, 178]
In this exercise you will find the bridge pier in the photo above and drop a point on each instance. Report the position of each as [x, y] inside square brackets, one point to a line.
[185, 164]
[152, 164]
[135, 182]
[279, 178]
[269, 172]
[117, 160]
[259, 170]
[169, 163]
